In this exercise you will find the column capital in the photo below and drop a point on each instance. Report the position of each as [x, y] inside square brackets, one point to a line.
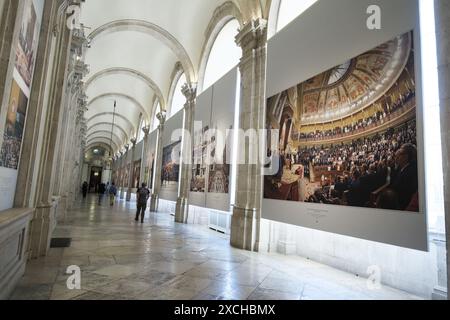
[146, 130]
[161, 116]
[133, 141]
[253, 35]
[189, 90]
[127, 147]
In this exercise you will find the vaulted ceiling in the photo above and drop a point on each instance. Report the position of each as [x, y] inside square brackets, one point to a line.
[134, 48]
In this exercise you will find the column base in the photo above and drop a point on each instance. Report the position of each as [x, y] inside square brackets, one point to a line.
[154, 203]
[42, 226]
[122, 193]
[182, 210]
[439, 293]
[286, 247]
[62, 208]
[244, 229]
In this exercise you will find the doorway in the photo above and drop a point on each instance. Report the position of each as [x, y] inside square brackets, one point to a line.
[95, 179]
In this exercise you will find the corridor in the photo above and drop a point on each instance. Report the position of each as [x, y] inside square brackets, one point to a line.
[161, 260]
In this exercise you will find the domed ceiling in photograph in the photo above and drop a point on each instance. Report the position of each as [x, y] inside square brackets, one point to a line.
[355, 84]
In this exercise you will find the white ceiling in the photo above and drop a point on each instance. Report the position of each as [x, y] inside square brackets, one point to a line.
[136, 46]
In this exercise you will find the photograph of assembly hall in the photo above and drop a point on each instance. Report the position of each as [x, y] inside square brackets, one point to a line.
[348, 135]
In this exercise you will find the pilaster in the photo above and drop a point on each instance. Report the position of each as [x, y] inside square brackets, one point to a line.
[131, 156]
[442, 9]
[182, 206]
[154, 198]
[245, 222]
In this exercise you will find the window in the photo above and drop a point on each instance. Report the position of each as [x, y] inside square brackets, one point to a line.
[291, 9]
[140, 134]
[155, 121]
[178, 100]
[225, 54]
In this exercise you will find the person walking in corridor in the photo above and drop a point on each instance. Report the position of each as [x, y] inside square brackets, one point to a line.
[101, 192]
[142, 195]
[84, 189]
[112, 194]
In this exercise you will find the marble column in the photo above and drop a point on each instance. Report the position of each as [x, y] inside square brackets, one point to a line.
[245, 222]
[154, 199]
[182, 206]
[131, 156]
[144, 159]
[442, 10]
[44, 218]
[125, 183]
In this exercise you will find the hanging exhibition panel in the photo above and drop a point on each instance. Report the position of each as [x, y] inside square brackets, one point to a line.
[347, 156]
[199, 176]
[21, 79]
[221, 137]
[136, 174]
[170, 172]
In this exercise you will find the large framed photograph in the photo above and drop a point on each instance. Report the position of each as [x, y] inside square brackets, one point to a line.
[28, 43]
[14, 127]
[170, 164]
[348, 136]
[199, 160]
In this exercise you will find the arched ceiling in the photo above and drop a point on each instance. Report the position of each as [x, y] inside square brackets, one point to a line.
[134, 47]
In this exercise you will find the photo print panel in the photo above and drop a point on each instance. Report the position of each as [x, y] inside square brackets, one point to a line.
[14, 127]
[359, 148]
[172, 136]
[200, 169]
[150, 159]
[222, 123]
[347, 103]
[28, 40]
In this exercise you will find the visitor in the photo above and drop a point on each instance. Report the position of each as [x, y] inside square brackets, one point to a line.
[101, 192]
[84, 189]
[142, 196]
[112, 191]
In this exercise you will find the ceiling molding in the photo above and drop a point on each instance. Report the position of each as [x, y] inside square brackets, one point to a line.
[108, 135]
[155, 31]
[104, 140]
[97, 144]
[123, 96]
[133, 127]
[129, 72]
[116, 126]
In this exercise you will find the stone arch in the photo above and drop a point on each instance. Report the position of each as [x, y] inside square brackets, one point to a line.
[106, 132]
[123, 96]
[133, 127]
[116, 126]
[94, 144]
[130, 72]
[103, 140]
[222, 15]
[155, 31]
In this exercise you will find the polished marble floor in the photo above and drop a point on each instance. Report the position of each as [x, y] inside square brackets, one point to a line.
[124, 260]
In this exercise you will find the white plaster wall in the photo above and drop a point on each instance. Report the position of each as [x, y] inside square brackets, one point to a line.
[8, 181]
[409, 270]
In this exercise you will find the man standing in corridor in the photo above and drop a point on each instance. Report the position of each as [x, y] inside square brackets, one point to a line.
[142, 196]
